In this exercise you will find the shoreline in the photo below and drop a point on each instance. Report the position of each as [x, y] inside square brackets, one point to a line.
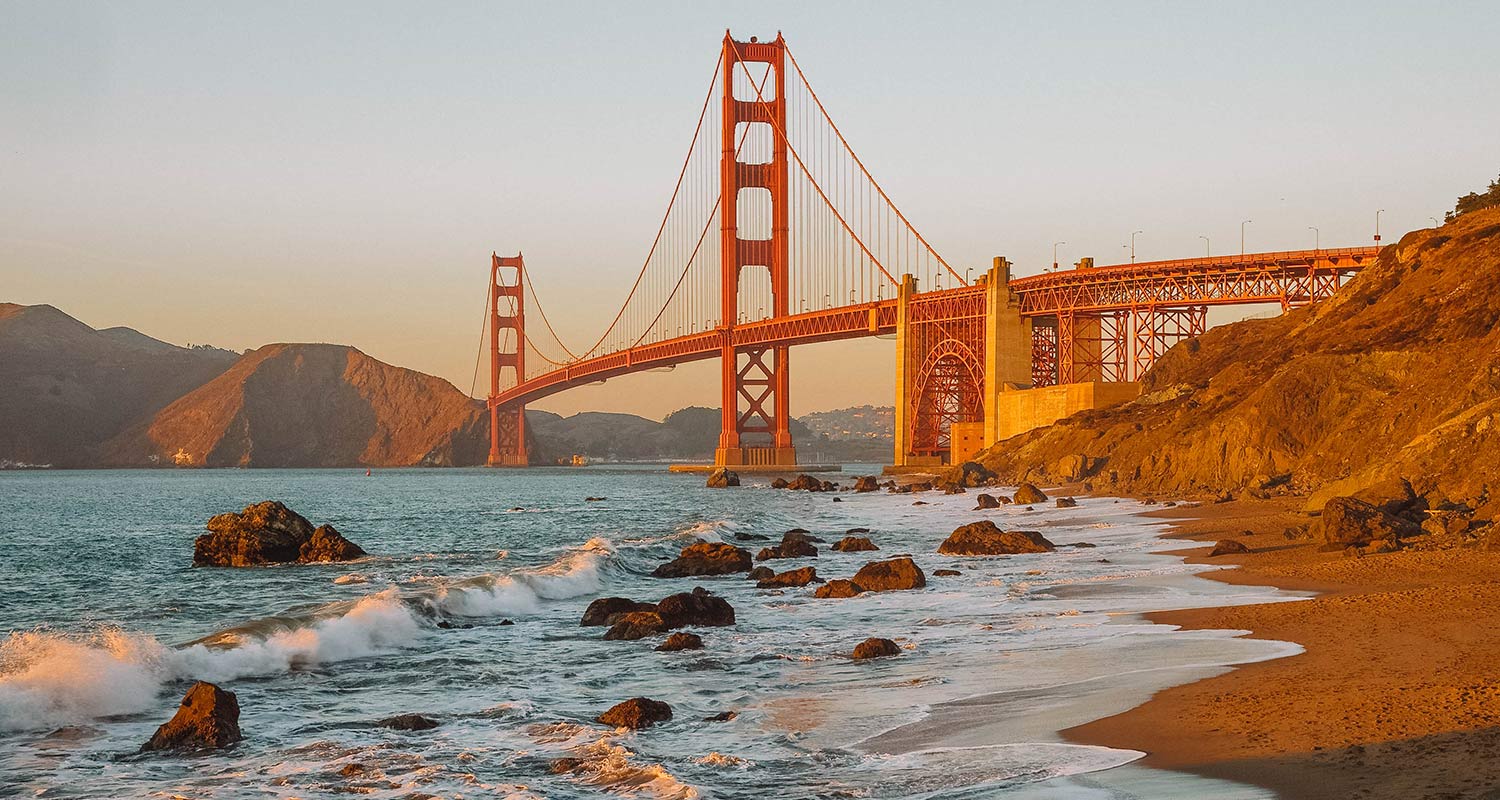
[1395, 695]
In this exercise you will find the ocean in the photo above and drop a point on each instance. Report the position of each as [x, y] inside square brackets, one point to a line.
[105, 624]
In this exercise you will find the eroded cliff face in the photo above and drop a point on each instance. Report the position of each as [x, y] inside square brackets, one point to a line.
[311, 405]
[1396, 376]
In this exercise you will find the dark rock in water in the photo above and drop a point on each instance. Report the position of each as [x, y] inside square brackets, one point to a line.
[408, 722]
[562, 766]
[606, 610]
[1027, 494]
[1079, 544]
[697, 607]
[945, 573]
[446, 625]
[853, 531]
[802, 534]
[952, 488]
[854, 544]
[208, 717]
[1228, 547]
[722, 716]
[875, 647]
[637, 713]
[893, 575]
[838, 499]
[681, 640]
[920, 503]
[838, 588]
[987, 501]
[705, 558]
[779, 483]
[760, 573]
[722, 478]
[1066, 502]
[594, 499]
[515, 508]
[973, 473]
[984, 538]
[269, 533]
[636, 625]
[792, 577]
[507, 622]
[805, 483]
[794, 544]
[751, 537]
[867, 483]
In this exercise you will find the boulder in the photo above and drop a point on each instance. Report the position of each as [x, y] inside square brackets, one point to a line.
[607, 610]
[760, 573]
[973, 473]
[208, 717]
[269, 533]
[867, 483]
[750, 537]
[806, 483]
[722, 478]
[697, 607]
[986, 501]
[838, 588]
[1071, 468]
[952, 488]
[875, 647]
[705, 558]
[1066, 502]
[635, 625]
[1394, 496]
[794, 544]
[1451, 523]
[984, 538]
[1027, 494]
[637, 713]
[946, 573]
[893, 575]
[854, 544]
[1349, 521]
[801, 576]
[408, 722]
[779, 483]
[681, 640]
[1228, 547]
[856, 531]
[722, 716]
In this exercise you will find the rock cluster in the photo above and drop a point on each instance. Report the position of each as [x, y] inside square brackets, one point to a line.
[806, 483]
[269, 533]
[209, 717]
[867, 483]
[705, 558]
[794, 544]
[722, 478]
[984, 538]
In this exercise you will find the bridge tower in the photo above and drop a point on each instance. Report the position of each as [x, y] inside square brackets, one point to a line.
[508, 351]
[755, 427]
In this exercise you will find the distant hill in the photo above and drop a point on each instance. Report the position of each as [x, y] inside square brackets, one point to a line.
[855, 424]
[311, 405]
[65, 387]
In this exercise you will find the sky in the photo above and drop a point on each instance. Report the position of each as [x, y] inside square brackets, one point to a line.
[237, 174]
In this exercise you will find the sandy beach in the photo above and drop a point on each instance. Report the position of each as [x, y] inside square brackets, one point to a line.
[1396, 696]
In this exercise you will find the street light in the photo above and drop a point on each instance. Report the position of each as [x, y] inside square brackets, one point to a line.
[1377, 226]
[1132, 245]
[1207, 246]
[1435, 223]
[1242, 236]
[1054, 253]
[1317, 237]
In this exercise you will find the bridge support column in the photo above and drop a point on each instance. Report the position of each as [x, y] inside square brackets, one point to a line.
[507, 351]
[906, 365]
[1007, 344]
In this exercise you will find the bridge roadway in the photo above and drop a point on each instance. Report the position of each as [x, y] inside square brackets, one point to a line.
[1289, 278]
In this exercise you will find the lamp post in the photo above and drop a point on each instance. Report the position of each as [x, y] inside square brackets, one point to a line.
[1435, 222]
[1242, 235]
[1132, 245]
[1054, 254]
[1377, 226]
[1207, 246]
[1317, 238]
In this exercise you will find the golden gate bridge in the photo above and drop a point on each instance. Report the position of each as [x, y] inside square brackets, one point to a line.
[777, 235]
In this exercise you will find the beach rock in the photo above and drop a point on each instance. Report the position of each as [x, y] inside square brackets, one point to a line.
[1066, 502]
[893, 575]
[801, 576]
[208, 717]
[705, 558]
[1449, 523]
[722, 716]
[986, 501]
[697, 607]
[1228, 547]
[1394, 496]
[806, 483]
[854, 544]
[722, 478]
[269, 533]
[637, 713]
[867, 483]
[838, 588]
[952, 488]
[760, 573]
[973, 473]
[1027, 494]
[635, 625]
[801, 534]
[681, 640]
[856, 531]
[751, 537]
[607, 610]
[919, 503]
[945, 573]
[408, 722]
[779, 483]
[984, 538]
[1348, 521]
[875, 647]
[1071, 468]
[794, 544]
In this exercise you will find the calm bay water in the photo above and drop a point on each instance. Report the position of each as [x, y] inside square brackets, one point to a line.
[106, 623]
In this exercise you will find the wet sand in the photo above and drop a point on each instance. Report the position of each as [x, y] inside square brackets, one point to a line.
[1397, 694]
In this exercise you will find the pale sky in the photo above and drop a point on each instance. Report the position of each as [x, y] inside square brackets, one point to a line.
[238, 174]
